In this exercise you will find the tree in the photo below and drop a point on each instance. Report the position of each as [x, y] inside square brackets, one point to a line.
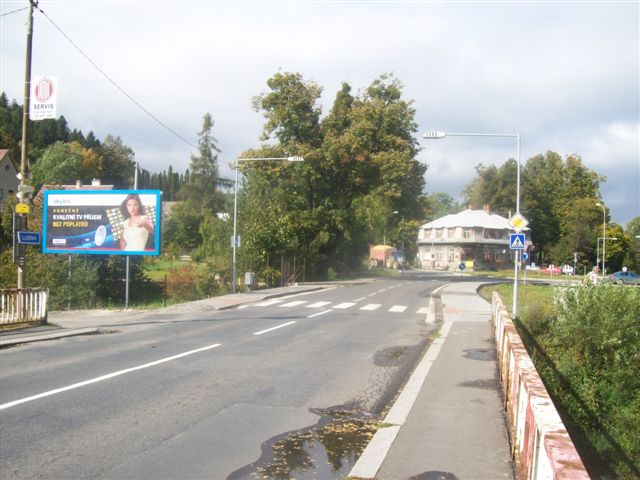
[362, 154]
[64, 163]
[117, 162]
[202, 187]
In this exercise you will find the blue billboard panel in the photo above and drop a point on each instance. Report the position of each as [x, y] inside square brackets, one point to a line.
[115, 222]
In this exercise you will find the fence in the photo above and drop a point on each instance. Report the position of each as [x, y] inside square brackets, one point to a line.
[541, 446]
[23, 305]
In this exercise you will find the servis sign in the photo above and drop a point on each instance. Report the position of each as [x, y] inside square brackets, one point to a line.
[43, 98]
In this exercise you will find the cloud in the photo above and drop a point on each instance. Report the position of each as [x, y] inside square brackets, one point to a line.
[563, 75]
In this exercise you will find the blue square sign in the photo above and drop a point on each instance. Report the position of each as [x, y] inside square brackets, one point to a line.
[516, 241]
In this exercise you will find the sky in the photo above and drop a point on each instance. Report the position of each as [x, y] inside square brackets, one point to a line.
[563, 75]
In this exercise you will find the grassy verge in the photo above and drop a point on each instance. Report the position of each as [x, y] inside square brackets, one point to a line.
[585, 344]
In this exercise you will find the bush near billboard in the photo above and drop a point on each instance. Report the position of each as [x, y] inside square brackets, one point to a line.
[116, 222]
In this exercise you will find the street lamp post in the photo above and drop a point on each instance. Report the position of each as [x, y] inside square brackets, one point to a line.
[604, 235]
[438, 135]
[384, 240]
[234, 240]
[598, 250]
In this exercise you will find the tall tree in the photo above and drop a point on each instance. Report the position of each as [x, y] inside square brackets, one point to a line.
[204, 180]
[117, 162]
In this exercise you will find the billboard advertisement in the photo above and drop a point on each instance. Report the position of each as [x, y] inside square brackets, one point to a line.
[115, 222]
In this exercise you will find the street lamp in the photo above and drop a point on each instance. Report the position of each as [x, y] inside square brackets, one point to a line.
[438, 135]
[604, 234]
[234, 240]
[384, 240]
[598, 250]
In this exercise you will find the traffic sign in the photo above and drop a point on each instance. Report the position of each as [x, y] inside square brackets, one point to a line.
[22, 208]
[29, 238]
[516, 241]
[518, 222]
[525, 256]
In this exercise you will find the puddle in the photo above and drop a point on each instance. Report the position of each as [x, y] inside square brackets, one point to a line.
[327, 450]
[483, 354]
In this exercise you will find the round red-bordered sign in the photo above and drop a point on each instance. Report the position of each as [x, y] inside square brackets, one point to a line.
[44, 89]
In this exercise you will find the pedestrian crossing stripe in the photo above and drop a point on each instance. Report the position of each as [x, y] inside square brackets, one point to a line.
[370, 307]
[516, 241]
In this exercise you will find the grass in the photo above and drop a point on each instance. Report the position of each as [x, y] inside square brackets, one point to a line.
[156, 269]
[531, 298]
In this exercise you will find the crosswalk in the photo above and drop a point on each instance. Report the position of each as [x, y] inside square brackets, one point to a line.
[367, 307]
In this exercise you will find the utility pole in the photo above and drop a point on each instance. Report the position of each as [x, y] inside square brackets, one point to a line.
[23, 176]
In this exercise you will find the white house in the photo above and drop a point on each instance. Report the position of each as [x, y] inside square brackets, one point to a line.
[477, 237]
[8, 180]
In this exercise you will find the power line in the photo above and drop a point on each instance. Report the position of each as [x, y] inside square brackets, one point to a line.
[114, 83]
[13, 11]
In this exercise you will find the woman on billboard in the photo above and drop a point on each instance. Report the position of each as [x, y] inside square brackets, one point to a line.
[137, 227]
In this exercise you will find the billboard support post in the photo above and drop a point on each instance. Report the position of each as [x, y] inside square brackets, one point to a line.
[127, 264]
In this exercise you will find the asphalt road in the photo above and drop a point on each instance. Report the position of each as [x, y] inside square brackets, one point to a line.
[201, 398]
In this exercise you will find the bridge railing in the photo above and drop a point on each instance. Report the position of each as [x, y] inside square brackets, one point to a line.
[541, 446]
[24, 305]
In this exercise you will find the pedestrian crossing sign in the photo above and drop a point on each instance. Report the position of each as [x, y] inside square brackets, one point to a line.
[516, 241]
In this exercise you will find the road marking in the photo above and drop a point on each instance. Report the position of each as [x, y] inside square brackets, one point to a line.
[372, 294]
[398, 308]
[423, 311]
[318, 304]
[359, 299]
[371, 307]
[294, 303]
[105, 377]
[266, 303]
[275, 328]
[320, 313]
[376, 451]
[344, 305]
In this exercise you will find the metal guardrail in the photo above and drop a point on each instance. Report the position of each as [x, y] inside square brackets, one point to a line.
[23, 305]
[541, 446]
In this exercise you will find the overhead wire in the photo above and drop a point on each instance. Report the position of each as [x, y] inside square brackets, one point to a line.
[13, 11]
[113, 82]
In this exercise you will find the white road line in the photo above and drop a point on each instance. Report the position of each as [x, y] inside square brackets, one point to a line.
[320, 313]
[398, 308]
[275, 328]
[423, 311]
[294, 303]
[105, 377]
[371, 307]
[359, 299]
[344, 305]
[317, 305]
[372, 294]
[374, 454]
[266, 303]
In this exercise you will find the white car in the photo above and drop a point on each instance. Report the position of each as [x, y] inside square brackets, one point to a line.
[567, 269]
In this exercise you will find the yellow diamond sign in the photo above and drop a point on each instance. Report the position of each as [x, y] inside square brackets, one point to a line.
[518, 222]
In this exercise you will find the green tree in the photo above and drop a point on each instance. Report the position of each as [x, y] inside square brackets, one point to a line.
[117, 163]
[64, 163]
[204, 180]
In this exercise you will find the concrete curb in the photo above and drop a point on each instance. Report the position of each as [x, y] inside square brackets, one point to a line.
[52, 335]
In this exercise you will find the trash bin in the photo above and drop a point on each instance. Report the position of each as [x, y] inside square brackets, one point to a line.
[249, 279]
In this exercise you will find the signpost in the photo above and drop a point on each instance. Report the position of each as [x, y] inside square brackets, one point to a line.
[516, 241]
[29, 238]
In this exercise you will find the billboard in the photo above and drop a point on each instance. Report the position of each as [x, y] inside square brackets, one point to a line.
[115, 222]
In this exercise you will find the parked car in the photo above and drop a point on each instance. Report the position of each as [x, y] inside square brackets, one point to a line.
[625, 278]
[552, 270]
[567, 269]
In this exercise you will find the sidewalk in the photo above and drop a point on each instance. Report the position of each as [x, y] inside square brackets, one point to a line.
[86, 322]
[448, 423]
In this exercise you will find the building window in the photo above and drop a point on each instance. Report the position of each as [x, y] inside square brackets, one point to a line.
[467, 233]
[439, 233]
[451, 253]
[427, 233]
[451, 233]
